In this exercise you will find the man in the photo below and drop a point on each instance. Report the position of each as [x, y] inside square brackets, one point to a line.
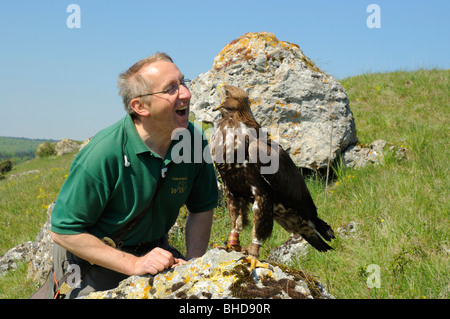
[114, 178]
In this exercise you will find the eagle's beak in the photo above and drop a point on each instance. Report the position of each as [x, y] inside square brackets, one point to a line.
[219, 88]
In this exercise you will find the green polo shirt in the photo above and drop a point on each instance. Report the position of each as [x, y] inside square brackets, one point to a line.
[101, 194]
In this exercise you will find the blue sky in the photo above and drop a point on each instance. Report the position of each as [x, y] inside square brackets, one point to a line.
[60, 82]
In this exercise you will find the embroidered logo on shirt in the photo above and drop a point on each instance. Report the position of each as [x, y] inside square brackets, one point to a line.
[181, 185]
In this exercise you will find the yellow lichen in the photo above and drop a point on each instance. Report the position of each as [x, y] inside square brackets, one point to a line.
[243, 49]
[240, 49]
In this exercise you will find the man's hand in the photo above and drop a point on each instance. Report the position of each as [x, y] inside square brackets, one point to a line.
[155, 261]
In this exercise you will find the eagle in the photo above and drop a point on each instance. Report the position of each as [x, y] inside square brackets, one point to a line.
[256, 171]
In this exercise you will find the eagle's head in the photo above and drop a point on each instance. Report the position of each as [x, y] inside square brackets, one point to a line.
[235, 105]
[233, 99]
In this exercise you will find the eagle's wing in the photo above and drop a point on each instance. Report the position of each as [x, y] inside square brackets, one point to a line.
[281, 173]
[289, 189]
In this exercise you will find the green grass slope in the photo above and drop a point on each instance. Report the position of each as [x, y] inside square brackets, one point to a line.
[400, 208]
[25, 194]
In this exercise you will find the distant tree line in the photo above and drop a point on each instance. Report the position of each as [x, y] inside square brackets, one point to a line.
[21, 155]
[19, 149]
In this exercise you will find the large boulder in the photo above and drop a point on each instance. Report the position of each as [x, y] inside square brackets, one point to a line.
[307, 108]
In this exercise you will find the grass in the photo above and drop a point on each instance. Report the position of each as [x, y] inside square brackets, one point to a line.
[400, 208]
[25, 194]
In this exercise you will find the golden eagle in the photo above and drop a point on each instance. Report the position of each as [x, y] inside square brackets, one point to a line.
[256, 170]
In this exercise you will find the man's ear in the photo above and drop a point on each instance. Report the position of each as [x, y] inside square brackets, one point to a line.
[139, 107]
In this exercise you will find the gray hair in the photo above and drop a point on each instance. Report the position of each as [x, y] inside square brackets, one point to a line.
[131, 83]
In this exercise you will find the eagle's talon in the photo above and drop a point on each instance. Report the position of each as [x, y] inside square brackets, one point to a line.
[254, 262]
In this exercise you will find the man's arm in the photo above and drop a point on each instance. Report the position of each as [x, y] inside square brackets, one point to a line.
[92, 249]
[198, 231]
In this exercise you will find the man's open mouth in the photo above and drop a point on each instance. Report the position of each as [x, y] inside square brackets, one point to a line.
[182, 111]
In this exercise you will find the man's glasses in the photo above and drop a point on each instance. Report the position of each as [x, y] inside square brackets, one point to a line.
[171, 90]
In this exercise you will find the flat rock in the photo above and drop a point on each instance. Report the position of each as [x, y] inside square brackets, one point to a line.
[218, 274]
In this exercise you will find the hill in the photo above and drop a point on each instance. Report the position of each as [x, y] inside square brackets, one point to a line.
[391, 219]
[19, 149]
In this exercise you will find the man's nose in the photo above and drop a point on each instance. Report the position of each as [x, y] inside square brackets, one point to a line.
[184, 93]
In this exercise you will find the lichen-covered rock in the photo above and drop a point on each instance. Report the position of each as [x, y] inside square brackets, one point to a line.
[218, 274]
[306, 108]
[357, 156]
[20, 253]
[295, 246]
[66, 146]
[38, 254]
[41, 255]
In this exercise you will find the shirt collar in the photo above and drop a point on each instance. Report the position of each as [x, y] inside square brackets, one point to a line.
[133, 137]
[138, 144]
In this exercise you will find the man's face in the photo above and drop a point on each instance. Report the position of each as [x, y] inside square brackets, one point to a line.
[167, 112]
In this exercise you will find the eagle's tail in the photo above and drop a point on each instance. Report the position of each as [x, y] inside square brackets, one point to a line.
[322, 229]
